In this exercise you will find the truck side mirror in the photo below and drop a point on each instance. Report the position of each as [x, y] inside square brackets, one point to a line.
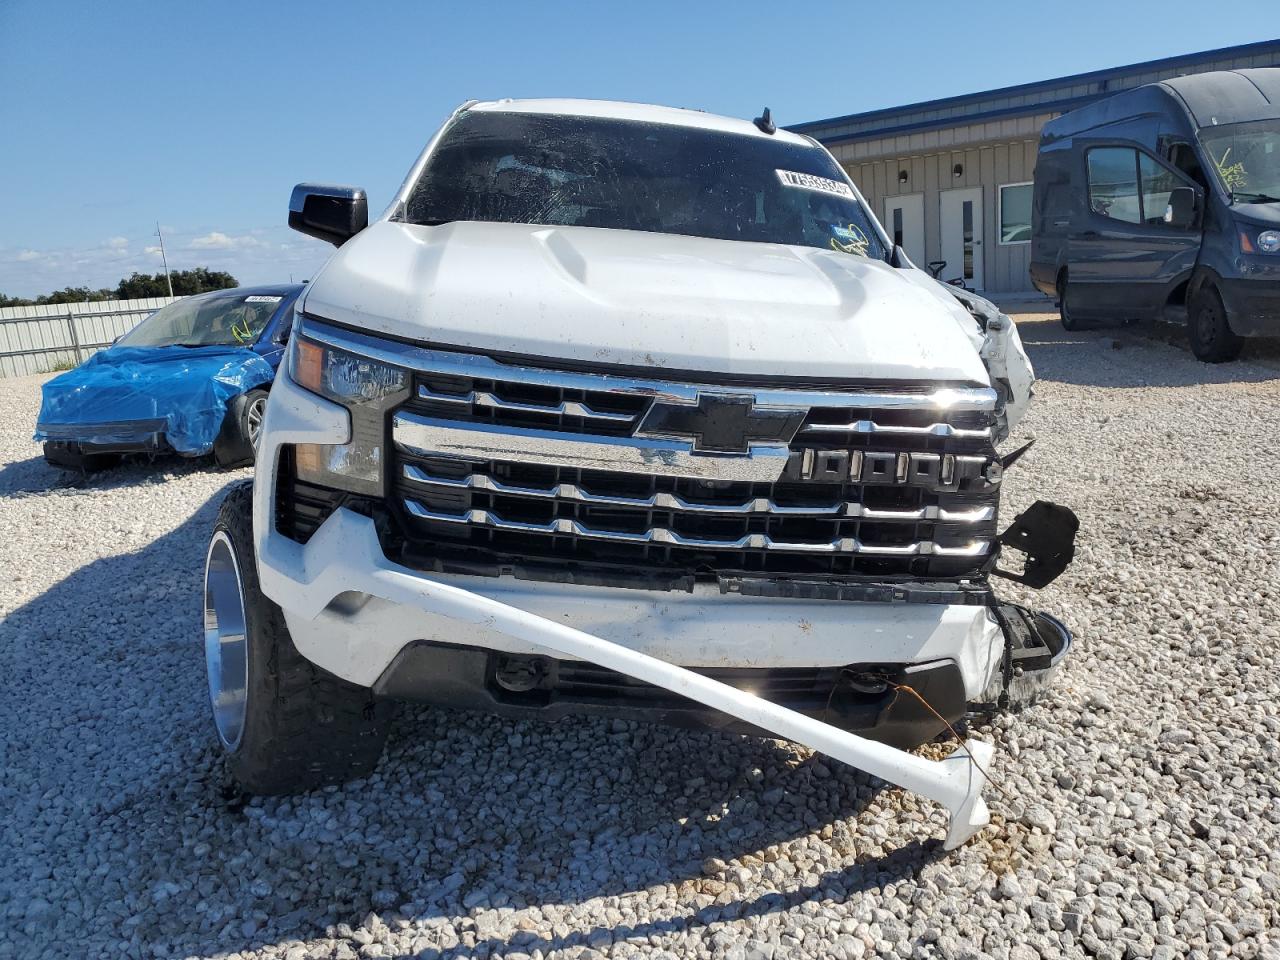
[1181, 211]
[327, 212]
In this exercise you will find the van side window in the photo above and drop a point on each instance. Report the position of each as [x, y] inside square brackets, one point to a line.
[1183, 157]
[1113, 183]
[1157, 183]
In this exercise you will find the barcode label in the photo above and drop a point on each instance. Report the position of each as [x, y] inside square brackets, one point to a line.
[808, 181]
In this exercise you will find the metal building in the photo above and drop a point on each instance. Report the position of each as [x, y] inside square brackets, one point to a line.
[951, 178]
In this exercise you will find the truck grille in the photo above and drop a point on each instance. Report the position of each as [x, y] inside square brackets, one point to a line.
[876, 481]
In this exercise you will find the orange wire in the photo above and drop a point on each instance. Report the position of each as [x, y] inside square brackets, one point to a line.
[959, 739]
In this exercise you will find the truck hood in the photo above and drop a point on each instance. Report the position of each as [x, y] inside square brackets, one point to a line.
[605, 296]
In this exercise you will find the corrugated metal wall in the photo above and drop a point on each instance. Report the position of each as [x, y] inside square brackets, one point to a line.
[987, 166]
[41, 338]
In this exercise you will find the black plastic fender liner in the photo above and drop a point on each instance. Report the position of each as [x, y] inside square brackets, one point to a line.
[1036, 645]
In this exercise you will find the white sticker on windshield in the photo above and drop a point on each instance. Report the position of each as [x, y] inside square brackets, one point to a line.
[259, 298]
[807, 181]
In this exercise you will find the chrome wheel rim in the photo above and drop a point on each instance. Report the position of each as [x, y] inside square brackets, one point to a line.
[253, 419]
[226, 648]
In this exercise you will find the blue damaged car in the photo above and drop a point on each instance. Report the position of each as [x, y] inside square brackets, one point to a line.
[190, 379]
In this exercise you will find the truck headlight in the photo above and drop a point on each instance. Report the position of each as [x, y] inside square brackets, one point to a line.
[367, 388]
[1269, 241]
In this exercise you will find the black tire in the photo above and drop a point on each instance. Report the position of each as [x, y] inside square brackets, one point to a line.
[301, 726]
[1211, 336]
[1069, 322]
[66, 456]
[238, 439]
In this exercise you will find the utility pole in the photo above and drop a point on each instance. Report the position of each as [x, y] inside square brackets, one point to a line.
[164, 259]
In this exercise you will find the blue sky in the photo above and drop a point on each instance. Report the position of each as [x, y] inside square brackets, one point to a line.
[202, 116]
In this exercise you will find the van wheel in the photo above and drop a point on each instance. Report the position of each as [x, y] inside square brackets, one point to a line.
[1069, 322]
[284, 724]
[1212, 339]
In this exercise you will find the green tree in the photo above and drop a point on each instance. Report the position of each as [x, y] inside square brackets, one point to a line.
[65, 295]
[185, 283]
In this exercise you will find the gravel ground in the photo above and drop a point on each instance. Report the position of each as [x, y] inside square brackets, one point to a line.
[1144, 810]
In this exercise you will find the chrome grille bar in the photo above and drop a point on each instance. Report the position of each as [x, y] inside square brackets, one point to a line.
[482, 398]
[871, 427]
[429, 360]
[668, 501]
[662, 535]
[428, 436]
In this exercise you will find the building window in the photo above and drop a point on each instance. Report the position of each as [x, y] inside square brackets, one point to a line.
[1113, 183]
[1015, 213]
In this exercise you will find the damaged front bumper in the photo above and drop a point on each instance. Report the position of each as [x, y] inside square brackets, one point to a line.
[119, 436]
[362, 616]
[363, 574]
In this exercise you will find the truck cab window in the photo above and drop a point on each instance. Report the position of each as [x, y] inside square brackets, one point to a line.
[1113, 183]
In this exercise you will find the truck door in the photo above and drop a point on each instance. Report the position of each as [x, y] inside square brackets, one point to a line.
[1123, 255]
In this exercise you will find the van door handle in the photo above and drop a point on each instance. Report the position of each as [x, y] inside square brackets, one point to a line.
[1090, 235]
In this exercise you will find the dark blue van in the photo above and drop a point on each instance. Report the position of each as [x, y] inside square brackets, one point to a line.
[1164, 202]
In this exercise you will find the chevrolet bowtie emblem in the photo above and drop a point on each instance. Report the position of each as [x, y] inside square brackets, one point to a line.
[721, 423]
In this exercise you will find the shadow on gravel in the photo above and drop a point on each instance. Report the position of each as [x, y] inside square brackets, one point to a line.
[902, 864]
[1121, 356]
[31, 476]
[34, 475]
[123, 835]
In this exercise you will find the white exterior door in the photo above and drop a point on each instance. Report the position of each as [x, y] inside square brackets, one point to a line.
[962, 236]
[904, 222]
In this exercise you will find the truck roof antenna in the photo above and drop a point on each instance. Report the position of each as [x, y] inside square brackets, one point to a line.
[765, 122]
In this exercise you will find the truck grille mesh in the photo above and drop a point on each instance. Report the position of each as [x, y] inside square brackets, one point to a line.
[881, 490]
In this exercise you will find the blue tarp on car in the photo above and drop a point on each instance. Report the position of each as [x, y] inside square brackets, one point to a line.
[119, 393]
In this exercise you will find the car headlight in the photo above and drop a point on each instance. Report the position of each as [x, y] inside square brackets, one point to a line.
[1269, 241]
[367, 388]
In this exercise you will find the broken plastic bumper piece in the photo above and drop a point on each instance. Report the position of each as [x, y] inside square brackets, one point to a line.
[955, 782]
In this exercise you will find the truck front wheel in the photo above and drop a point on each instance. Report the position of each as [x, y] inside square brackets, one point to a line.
[1212, 339]
[284, 724]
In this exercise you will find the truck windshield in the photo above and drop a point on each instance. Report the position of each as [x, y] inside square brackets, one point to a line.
[1246, 158]
[627, 175]
[221, 320]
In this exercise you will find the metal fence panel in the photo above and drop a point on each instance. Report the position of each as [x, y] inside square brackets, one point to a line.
[53, 336]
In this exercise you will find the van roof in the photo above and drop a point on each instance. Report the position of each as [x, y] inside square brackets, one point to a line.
[1222, 96]
[1230, 96]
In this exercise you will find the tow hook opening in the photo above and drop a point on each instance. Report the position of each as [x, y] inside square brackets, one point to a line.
[519, 674]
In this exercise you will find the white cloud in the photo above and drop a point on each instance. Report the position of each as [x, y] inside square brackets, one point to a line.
[221, 241]
[264, 255]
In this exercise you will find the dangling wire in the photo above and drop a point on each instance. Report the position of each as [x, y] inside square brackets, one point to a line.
[899, 687]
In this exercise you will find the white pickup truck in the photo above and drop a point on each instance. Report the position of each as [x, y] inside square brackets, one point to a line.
[610, 387]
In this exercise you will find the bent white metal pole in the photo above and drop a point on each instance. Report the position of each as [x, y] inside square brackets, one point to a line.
[955, 782]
